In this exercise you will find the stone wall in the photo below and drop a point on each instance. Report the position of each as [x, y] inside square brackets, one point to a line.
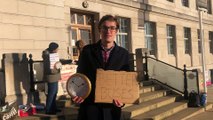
[174, 13]
[122, 8]
[30, 25]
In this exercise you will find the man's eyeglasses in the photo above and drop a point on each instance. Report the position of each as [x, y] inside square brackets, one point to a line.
[111, 28]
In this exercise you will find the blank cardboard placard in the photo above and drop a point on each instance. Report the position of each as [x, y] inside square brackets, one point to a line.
[120, 85]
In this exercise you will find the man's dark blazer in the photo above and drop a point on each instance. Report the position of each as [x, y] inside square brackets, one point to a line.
[91, 59]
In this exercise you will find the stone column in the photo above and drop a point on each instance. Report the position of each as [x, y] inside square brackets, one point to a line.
[17, 80]
[140, 63]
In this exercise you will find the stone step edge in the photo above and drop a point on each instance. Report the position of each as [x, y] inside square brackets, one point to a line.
[161, 115]
[131, 113]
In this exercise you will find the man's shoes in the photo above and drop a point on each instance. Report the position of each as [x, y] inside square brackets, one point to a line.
[58, 110]
[51, 113]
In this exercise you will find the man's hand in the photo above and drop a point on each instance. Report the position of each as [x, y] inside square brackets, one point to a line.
[118, 103]
[77, 99]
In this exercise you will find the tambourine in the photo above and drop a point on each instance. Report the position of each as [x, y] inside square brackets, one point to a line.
[58, 65]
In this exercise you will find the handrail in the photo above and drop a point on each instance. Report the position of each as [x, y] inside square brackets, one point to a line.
[185, 83]
[166, 78]
[169, 64]
[165, 63]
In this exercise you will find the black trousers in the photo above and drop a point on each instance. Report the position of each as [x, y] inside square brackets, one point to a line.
[99, 111]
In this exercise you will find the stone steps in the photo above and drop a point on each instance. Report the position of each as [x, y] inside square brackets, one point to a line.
[143, 107]
[153, 95]
[149, 88]
[157, 103]
[64, 103]
[207, 115]
[146, 83]
[162, 112]
[188, 113]
[49, 117]
[67, 113]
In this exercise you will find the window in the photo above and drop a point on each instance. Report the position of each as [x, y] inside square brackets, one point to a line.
[171, 42]
[170, 0]
[209, 7]
[187, 40]
[185, 3]
[74, 36]
[150, 37]
[81, 29]
[199, 41]
[80, 19]
[123, 35]
[211, 41]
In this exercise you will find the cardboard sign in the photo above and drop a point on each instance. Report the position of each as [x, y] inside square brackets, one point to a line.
[10, 113]
[120, 85]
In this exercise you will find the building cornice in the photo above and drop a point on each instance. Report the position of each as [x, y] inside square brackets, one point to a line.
[127, 3]
[175, 14]
[145, 7]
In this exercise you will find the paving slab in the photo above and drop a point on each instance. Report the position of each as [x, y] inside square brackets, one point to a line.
[207, 115]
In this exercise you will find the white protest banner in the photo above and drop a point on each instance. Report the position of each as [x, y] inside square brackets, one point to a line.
[54, 57]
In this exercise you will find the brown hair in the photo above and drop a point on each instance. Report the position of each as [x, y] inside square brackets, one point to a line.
[108, 18]
[80, 44]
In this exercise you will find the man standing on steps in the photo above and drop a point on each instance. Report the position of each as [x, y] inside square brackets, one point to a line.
[105, 54]
[51, 76]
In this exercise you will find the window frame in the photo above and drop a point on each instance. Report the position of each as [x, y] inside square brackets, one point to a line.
[187, 40]
[211, 42]
[78, 28]
[171, 39]
[150, 37]
[209, 6]
[170, 0]
[185, 3]
[199, 41]
[126, 43]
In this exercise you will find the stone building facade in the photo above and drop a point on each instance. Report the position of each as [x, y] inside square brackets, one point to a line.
[168, 28]
[176, 33]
